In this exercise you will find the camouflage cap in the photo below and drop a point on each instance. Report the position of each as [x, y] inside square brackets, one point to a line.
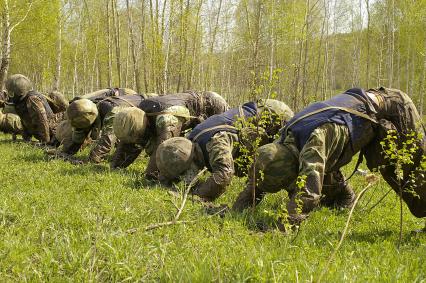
[174, 157]
[129, 124]
[61, 103]
[82, 113]
[18, 85]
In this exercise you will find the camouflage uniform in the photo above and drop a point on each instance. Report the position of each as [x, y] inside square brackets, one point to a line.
[215, 147]
[101, 130]
[10, 123]
[73, 140]
[397, 112]
[168, 116]
[33, 109]
[315, 144]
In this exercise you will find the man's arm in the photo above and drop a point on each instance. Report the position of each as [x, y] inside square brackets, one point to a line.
[105, 142]
[78, 138]
[220, 149]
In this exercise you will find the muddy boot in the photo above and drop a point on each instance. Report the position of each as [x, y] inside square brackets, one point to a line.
[245, 199]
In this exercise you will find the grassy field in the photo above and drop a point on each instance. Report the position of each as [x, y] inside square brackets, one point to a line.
[61, 222]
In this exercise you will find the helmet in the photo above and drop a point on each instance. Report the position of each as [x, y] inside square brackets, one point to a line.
[129, 124]
[60, 102]
[18, 85]
[277, 107]
[174, 156]
[82, 113]
[215, 104]
[279, 165]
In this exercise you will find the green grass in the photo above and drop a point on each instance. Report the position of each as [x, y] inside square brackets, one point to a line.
[61, 222]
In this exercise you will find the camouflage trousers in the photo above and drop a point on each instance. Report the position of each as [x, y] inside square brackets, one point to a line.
[107, 139]
[317, 165]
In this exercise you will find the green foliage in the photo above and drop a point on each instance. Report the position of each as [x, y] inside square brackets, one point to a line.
[321, 48]
[400, 153]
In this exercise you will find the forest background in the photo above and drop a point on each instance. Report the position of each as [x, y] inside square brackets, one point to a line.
[305, 50]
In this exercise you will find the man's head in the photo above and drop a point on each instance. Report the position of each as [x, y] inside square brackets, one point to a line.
[82, 113]
[175, 158]
[130, 124]
[18, 85]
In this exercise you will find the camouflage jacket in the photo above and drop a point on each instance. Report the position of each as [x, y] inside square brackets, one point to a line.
[37, 117]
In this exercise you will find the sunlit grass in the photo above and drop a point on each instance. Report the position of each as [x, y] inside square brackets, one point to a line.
[62, 222]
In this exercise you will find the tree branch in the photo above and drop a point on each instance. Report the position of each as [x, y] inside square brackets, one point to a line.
[24, 18]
